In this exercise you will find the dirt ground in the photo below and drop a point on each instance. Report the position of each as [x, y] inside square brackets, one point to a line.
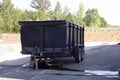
[11, 38]
[102, 36]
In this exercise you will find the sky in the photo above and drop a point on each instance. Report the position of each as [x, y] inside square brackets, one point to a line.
[109, 9]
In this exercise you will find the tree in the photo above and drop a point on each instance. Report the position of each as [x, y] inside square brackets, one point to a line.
[69, 17]
[30, 15]
[1, 19]
[18, 16]
[66, 10]
[41, 16]
[7, 9]
[103, 22]
[92, 18]
[43, 5]
[80, 14]
[1, 24]
[72, 18]
[58, 11]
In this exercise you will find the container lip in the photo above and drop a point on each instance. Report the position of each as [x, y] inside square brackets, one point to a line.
[48, 23]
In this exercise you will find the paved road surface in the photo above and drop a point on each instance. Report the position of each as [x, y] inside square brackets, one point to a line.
[103, 58]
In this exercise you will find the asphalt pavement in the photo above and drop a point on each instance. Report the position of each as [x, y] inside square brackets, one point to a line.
[102, 62]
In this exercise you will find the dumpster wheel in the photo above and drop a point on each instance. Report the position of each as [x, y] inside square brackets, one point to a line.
[76, 56]
[76, 53]
[82, 54]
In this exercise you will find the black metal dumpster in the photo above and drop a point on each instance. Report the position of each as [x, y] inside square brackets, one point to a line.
[47, 40]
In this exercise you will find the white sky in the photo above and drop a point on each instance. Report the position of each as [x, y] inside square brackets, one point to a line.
[109, 9]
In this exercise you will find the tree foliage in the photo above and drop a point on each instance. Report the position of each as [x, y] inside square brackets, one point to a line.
[66, 10]
[10, 16]
[7, 10]
[92, 18]
[58, 11]
[80, 14]
[43, 5]
[69, 17]
[103, 22]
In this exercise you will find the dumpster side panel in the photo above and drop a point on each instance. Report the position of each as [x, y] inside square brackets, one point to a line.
[55, 37]
[31, 37]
